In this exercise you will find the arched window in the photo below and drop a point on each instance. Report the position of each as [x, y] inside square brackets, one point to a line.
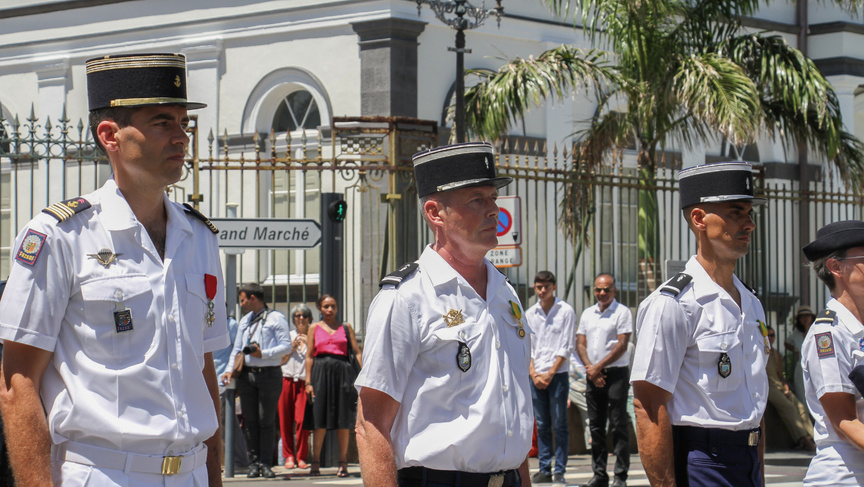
[297, 110]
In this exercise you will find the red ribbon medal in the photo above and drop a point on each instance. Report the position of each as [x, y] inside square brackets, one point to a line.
[210, 289]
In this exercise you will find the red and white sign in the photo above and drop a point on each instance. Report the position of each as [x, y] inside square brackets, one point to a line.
[509, 221]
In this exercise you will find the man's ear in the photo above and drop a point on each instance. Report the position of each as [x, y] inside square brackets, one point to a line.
[107, 133]
[697, 217]
[432, 209]
[834, 267]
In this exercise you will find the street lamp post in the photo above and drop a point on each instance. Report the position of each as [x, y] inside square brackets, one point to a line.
[466, 17]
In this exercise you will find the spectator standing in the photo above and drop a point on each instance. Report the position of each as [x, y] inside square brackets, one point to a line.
[601, 342]
[445, 397]
[331, 381]
[263, 338]
[292, 402]
[803, 320]
[699, 378]
[109, 318]
[576, 396]
[789, 408]
[832, 356]
[554, 324]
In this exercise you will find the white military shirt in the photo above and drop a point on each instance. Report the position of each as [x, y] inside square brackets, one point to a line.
[140, 390]
[479, 420]
[554, 335]
[681, 340]
[272, 334]
[829, 352]
[601, 330]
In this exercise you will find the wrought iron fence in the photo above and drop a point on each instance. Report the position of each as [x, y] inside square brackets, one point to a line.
[368, 159]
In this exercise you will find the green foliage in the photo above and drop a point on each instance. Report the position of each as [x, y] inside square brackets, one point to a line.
[687, 74]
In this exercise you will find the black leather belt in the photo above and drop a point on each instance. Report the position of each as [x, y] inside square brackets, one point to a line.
[721, 436]
[259, 370]
[504, 478]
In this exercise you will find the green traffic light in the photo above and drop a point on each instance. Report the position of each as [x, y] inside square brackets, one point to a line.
[338, 210]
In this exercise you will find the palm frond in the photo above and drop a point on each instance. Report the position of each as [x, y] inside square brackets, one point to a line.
[506, 95]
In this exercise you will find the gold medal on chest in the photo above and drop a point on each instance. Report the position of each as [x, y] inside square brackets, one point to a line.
[517, 313]
[453, 318]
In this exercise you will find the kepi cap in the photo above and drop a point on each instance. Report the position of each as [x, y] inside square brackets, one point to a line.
[456, 166]
[717, 183]
[835, 236]
[136, 80]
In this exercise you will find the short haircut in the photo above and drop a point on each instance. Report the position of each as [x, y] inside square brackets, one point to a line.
[820, 266]
[544, 276]
[302, 309]
[122, 116]
[251, 289]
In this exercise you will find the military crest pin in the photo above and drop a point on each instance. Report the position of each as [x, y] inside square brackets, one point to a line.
[104, 257]
[724, 366]
[453, 318]
[463, 357]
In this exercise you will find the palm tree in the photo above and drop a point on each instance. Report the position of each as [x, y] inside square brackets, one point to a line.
[687, 74]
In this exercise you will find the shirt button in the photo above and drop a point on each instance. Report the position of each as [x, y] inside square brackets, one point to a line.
[175, 366]
[118, 294]
[180, 414]
[170, 318]
[509, 432]
[462, 334]
[723, 346]
[505, 388]
[497, 344]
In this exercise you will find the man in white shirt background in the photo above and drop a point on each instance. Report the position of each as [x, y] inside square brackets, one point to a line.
[601, 342]
[554, 324]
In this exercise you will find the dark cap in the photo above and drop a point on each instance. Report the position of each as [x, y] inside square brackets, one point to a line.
[835, 236]
[456, 166]
[137, 80]
[717, 183]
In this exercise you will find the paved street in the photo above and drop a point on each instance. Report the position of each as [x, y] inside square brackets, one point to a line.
[783, 469]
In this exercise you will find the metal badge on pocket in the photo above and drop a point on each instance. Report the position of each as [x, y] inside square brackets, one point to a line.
[724, 366]
[463, 357]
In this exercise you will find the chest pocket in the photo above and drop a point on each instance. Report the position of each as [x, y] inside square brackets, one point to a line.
[101, 298]
[711, 348]
[446, 348]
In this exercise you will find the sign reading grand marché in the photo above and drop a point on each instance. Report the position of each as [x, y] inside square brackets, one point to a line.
[266, 233]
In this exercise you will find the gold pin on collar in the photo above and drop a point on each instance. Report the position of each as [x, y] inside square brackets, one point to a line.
[453, 318]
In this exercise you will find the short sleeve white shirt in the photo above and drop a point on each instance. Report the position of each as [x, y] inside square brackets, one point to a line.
[829, 352]
[477, 420]
[601, 330]
[295, 367]
[554, 335]
[681, 340]
[141, 390]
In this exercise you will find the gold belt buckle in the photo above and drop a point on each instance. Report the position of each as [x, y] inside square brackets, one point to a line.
[171, 465]
[753, 440]
[496, 480]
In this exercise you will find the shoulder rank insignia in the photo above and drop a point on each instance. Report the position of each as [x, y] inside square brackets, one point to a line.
[826, 317]
[751, 289]
[66, 209]
[197, 214]
[395, 278]
[674, 286]
[505, 275]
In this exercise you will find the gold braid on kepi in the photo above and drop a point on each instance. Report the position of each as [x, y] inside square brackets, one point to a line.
[137, 80]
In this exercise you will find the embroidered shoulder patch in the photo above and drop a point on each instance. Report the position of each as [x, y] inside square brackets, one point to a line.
[824, 344]
[30, 247]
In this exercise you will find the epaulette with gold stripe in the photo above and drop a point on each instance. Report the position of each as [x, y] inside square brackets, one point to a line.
[197, 214]
[66, 209]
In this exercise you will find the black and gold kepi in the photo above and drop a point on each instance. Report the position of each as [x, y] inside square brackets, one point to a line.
[717, 183]
[137, 80]
[456, 166]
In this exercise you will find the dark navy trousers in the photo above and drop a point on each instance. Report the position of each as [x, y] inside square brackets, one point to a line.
[711, 457]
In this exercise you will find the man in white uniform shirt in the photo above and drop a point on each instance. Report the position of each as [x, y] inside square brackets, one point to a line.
[444, 392]
[601, 342]
[554, 325]
[114, 305]
[263, 337]
[832, 357]
[699, 380]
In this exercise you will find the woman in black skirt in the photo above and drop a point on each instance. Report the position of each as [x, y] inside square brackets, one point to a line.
[331, 381]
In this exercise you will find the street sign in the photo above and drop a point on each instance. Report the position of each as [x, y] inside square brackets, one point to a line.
[509, 220]
[505, 256]
[266, 233]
